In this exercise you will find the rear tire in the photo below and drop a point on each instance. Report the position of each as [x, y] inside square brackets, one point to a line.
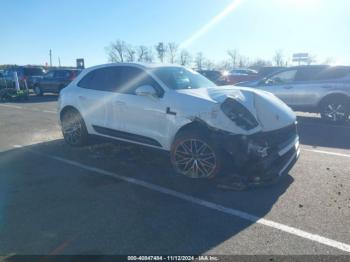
[194, 155]
[74, 128]
[335, 110]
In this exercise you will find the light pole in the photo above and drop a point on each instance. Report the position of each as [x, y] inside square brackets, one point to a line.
[50, 54]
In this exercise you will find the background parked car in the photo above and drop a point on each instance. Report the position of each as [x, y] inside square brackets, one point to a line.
[212, 75]
[321, 89]
[25, 73]
[2, 79]
[240, 75]
[54, 81]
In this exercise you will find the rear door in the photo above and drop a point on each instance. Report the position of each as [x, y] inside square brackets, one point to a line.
[93, 98]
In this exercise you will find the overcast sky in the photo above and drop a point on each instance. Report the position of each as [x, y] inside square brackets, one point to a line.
[81, 28]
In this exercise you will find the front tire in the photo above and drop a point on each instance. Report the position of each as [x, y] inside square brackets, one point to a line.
[38, 91]
[195, 156]
[74, 128]
[335, 110]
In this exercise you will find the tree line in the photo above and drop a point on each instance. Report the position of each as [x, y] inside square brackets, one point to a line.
[162, 52]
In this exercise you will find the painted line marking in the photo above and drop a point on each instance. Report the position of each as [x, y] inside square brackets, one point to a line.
[33, 109]
[323, 125]
[326, 152]
[11, 106]
[194, 200]
[49, 111]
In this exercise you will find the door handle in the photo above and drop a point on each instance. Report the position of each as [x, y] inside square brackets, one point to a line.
[82, 98]
[288, 87]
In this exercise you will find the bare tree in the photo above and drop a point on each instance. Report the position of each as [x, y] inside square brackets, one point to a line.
[130, 53]
[185, 58]
[278, 58]
[234, 56]
[328, 61]
[243, 61]
[161, 50]
[149, 57]
[224, 65]
[116, 51]
[260, 63]
[199, 60]
[208, 64]
[312, 59]
[141, 53]
[172, 51]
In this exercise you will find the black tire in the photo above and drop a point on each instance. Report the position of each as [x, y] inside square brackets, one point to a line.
[194, 155]
[335, 110]
[38, 91]
[73, 128]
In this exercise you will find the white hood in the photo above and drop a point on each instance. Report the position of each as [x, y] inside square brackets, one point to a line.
[270, 111]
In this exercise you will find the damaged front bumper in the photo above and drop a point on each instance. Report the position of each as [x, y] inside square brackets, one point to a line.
[263, 158]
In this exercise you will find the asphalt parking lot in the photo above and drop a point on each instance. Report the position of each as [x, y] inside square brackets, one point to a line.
[122, 199]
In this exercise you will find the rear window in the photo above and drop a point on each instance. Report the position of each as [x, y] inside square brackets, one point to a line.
[308, 73]
[33, 71]
[333, 73]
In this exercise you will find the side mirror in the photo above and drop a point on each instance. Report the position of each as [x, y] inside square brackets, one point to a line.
[146, 90]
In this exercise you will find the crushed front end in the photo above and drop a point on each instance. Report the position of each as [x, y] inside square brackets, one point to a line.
[264, 157]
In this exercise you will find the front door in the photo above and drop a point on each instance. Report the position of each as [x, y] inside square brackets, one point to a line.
[282, 85]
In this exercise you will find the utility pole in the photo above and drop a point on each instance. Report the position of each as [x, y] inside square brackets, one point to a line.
[59, 62]
[50, 54]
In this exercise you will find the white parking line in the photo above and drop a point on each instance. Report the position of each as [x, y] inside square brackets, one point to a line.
[326, 152]
[34, 109]
[11, 106]
[194, 200]
[50, 111]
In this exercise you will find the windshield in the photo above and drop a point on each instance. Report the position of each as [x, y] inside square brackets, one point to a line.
[180, 78]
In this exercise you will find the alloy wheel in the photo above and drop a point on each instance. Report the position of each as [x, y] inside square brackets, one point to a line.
[335, 112]
[195, 158]
[72, 129]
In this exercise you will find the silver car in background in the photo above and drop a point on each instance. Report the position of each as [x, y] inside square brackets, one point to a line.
[315, 88]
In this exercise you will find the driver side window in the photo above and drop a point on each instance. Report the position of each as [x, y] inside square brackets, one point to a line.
[284, 77]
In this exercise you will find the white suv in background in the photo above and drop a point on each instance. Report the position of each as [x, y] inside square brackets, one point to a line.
[205, 127]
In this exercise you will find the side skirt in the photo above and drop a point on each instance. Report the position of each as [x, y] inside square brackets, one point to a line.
[125, 135]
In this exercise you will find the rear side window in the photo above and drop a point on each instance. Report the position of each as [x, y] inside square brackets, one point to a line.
[103, 79]
[308, 74]
[333, 73]
[117, 79]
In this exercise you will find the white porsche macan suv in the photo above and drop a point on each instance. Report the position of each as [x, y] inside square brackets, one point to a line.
[203, 126]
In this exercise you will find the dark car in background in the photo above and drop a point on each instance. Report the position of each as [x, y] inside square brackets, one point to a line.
[212, 75]
[2, 79]
[26, 75]
[316, 88]
[238, 75]
[54, 81]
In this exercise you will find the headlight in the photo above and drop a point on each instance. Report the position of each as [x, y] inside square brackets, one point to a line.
[239, 114]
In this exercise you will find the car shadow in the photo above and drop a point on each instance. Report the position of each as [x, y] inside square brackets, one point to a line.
[315, 132]
[52, 205]
[41, 99]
